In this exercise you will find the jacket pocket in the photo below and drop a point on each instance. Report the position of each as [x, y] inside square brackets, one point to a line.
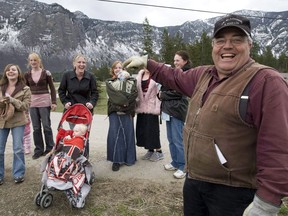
[202, 159]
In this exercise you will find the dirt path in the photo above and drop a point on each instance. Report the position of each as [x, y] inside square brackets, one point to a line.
[18, 199]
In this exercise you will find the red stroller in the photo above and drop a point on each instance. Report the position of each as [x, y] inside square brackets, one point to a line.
[74, 176]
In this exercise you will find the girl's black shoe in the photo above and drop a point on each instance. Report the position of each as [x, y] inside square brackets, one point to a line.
[115, 166]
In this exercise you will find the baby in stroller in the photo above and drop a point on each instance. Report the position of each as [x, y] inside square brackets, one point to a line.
[73, 146]
[66, 168]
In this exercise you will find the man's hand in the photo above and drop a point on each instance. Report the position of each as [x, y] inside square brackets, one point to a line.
[259, 207]
[138, 62]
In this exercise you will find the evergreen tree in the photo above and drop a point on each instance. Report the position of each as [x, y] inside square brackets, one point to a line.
[194, 51]
[166, 51]
[200, 51]
[147, 39]
[170, 45]
[268, 58]
[206, 50]
[283, 63]
[178, 43]
[255, 52]
[102, 73]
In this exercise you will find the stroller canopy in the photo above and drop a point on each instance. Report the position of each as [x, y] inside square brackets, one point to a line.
[77, 114]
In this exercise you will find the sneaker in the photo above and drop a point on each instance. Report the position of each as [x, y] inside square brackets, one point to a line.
[179, 174]
[148, 155]
[115, 167]
[1, 181]
[156, 156]
[18, 179]
[169, 167]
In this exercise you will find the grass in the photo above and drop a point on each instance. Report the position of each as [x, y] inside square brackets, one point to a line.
[284, 208]
[135, 197]
[107, 197]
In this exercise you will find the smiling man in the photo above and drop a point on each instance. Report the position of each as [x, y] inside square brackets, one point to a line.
[235, 135]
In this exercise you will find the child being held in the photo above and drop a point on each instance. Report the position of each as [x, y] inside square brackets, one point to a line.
[122, 75]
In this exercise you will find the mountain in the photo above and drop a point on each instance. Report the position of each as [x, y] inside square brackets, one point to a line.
[58, 34]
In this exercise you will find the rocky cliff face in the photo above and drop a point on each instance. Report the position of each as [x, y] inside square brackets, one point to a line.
[58, 34]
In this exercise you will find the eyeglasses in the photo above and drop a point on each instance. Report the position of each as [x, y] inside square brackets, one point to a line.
[235, 41]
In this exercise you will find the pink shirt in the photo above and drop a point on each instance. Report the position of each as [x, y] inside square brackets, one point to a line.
[40, 100]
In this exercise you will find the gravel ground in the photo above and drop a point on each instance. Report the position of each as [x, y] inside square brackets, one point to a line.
[142, 189]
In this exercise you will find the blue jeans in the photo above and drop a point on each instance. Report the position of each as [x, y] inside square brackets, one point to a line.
[18, 168]
[41, 115]
[208, 199]
[175, 138]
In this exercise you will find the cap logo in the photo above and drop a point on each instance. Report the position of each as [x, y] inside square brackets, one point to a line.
[232, 21]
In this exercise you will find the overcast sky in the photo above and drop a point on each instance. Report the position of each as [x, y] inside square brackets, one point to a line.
[164, 16]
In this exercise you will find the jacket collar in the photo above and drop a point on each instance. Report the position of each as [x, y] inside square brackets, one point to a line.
[73, 75]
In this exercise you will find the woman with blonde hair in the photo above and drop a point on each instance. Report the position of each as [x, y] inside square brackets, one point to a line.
[43, 100]
[78, 86]
[14, 91]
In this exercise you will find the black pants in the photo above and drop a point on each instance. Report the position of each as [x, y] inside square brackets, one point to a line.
[208, 199]
[40, 117]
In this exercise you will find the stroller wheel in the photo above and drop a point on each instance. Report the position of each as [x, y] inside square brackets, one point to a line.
[92, 179]
[37, 199]
[72, 204]
[46, 200]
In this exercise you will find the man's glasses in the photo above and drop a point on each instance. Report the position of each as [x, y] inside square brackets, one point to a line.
[235, 41]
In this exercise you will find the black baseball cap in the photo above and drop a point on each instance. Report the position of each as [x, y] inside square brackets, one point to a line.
[233, 20]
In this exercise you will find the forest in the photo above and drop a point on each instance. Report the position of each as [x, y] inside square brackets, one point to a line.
[199, 52]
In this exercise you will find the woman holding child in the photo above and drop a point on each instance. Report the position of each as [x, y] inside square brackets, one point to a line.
[121, 105]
